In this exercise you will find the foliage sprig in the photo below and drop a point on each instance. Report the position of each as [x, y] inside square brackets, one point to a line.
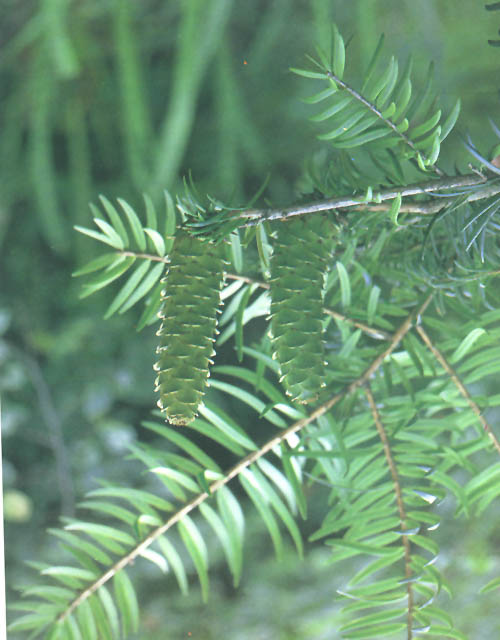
[378, 330]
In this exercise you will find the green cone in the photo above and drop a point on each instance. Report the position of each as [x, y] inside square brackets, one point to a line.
[300, 259]
[191, 300]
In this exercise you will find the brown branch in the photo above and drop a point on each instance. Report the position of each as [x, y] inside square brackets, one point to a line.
[254, 216]
[379, 334]
[459, 384]
[248, 460]
[429, 207]
[399, 501]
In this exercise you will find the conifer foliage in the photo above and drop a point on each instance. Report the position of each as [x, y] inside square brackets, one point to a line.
[380, 295]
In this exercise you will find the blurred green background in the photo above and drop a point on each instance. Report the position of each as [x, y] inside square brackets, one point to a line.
[124, 97]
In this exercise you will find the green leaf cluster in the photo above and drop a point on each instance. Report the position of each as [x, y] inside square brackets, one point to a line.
[398, 375]
[143, 281]
[382, 114]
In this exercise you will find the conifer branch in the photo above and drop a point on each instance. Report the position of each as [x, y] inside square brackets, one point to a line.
[399, 501]
[371, 107]
[492, 187]
[374, 332]
[459, 384]
[249, 460]
[429, 207]
[173, 260]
